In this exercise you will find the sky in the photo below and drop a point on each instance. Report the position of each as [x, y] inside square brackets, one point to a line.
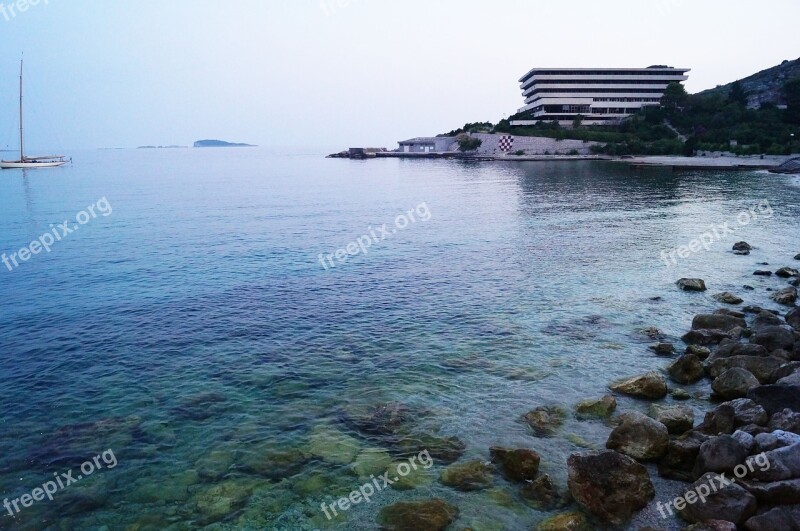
[341, 73]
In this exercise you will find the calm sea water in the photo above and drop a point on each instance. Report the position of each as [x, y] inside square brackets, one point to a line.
[194, 332]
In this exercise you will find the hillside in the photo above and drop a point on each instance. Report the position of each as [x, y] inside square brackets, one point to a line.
[763, 87]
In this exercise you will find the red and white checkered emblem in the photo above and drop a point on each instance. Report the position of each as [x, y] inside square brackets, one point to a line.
[506, 143]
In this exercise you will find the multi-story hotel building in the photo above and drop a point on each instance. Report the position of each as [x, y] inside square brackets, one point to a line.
[601, 96]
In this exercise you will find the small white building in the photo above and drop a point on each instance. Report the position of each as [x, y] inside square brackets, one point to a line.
[437, 144]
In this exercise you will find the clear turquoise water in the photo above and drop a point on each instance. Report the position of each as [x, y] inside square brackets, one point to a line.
[194, 330]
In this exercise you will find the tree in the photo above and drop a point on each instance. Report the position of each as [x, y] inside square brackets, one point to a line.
[791, 91]
[675, 97]
[576, 123]
[737, 94]
[468, 143]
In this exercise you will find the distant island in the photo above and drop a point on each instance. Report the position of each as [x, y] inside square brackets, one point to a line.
[162, 147]
[218, 144]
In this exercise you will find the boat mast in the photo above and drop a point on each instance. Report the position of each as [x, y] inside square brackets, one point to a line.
[21, 147]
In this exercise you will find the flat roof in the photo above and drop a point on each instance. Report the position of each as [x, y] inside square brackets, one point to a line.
[425, 139]
[649, 69]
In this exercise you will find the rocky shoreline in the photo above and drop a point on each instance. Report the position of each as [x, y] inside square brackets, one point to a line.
[740, 464]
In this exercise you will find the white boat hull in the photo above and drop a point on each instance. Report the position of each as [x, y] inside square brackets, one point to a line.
[4, 165]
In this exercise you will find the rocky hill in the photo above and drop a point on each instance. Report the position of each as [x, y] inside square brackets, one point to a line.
[765, 86]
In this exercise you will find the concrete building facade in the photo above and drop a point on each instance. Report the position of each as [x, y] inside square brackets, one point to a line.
[601, 96]
[438, 144]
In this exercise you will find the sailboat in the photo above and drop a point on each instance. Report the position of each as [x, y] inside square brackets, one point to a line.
[24, 162]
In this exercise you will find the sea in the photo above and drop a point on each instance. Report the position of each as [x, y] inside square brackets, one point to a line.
[233, 338]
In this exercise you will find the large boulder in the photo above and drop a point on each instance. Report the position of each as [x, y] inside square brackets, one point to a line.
[734, 383]
[748, 412]
[774, 338]
[775, 398]
[742, 247]
[719, 454]
[678, 463]
[766, 442]
[677, 419]
[517, 465]
[785, 492]
[640, 437]
[432, 515]
[793, 318]
[760, 367]
[651, 385]
[777, 465]
[730, 503]
[609, 485]
[786, 420]
[730, 348]
[786, 296]
[721, 421]
[717, 321]
[787, 272]
[692, 284]
[765, 319]
[779, 518]
[705, 337]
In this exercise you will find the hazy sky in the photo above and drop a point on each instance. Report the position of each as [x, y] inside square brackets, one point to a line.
[339, 73]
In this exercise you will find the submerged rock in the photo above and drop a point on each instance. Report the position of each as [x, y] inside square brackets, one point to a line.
[546, 420]
[469, 476]
[542, 494]
[218, 501]
[687, 369]
[640, 437]
[609, 485]
[333, 446]
[215, 465]
[518, 465]
[431, 515]
[272, 462]
[691, 284]
[573, 521]
[443, 450]
[600, 408]
[651, 385]
[763, 273]
[372, 461]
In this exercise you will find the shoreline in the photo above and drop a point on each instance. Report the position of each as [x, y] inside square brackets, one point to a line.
[674, 162]
[749, 435]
